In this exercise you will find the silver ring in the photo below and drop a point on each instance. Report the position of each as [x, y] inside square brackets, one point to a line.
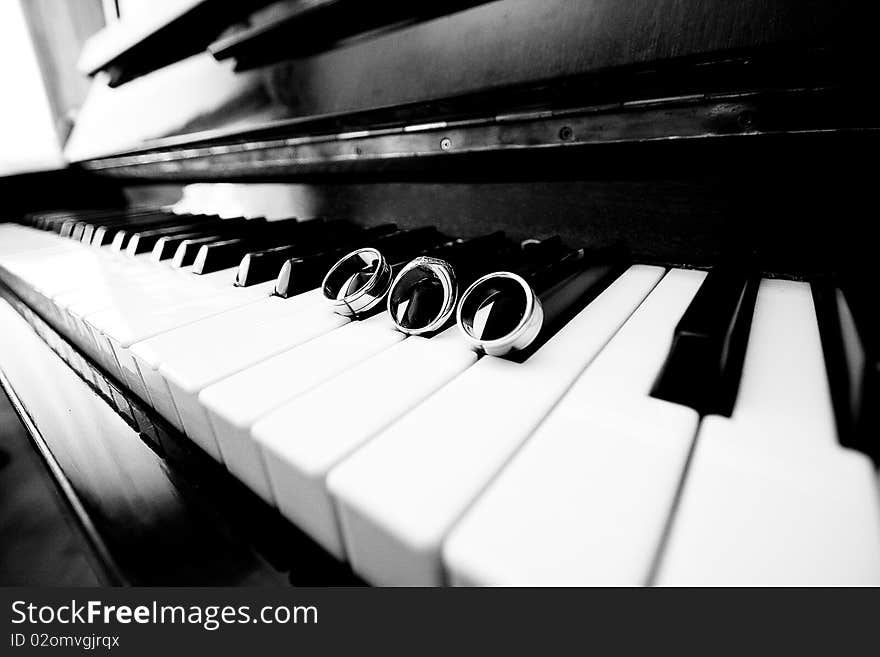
[425, 286]
[357, 282]
[520, 322]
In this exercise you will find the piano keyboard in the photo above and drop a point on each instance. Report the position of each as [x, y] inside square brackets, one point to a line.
[678, 429]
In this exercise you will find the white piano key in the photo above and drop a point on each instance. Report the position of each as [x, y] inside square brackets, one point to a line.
[109, 298]
[15, 239]
[116, 328]
[234, 404]
[157, 388]
[770, 497]
[399, 495]
[584, 503]
[131, 320]
[304, 438]
[784, 398]
[191, 371]
[232, 324]
[749, 517]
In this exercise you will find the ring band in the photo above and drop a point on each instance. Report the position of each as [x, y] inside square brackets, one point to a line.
[357, 282]
[423, 295]
[500, 313]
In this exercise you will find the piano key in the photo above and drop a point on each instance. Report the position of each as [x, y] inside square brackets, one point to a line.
[770, 497]
[301, 274]
[118, 327]
[234, 404]
[128, 279]
[215, 256]
[265, 265]
[121, 228]
[76, 231]
[848, 329]
[18, 239]
[424, 294]
[216, 279]
[86, 301]
[123, 236]
[401, 494]
[607, 460]
[165, 246]
[325, 356]
[233, 323]
[202, 225]
[358, 284]
[507, 313]
[228, 253]
[784, 391]
[304, 438]
[262, 266]
[187, 374]
[704, 364]
[65, 224]
[83, 271]
[751, 517]
[143, 241]
[138, 324]
[188, 249]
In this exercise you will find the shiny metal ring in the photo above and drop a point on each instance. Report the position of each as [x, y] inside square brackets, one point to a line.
[357, 282]
[427, 287]
[525, 322]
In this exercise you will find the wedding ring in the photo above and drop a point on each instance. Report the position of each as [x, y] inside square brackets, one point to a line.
[500, 313]
[357, 282]
[423, 295]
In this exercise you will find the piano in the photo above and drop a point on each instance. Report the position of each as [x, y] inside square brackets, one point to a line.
[698, 408]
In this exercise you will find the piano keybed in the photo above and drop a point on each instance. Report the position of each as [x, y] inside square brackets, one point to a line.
[679, 428]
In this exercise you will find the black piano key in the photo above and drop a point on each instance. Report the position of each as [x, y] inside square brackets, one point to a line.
[134, 218]
[421, 300]
[144, 241]
[265, 265]
[124, 233]
[566, 287]
[495, 313]
[166, 247]
[64, 224]
[197, 223]
[76, 231]
[542, 264]
[66, 228]
[850, 332]
[704, 364]
[116, 233]
[301, 274]
[55, 221]
[357, 268]
[227, 253]
[357, 283]
[187, 250]
[261, 266]
[219, 255]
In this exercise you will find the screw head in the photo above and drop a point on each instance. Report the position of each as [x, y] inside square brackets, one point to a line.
[445, 144]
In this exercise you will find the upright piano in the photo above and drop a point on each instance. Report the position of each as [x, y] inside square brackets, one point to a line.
[706, 415]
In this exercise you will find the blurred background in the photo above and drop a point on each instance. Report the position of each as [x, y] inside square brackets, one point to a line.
[42, 46]
[40, 41]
